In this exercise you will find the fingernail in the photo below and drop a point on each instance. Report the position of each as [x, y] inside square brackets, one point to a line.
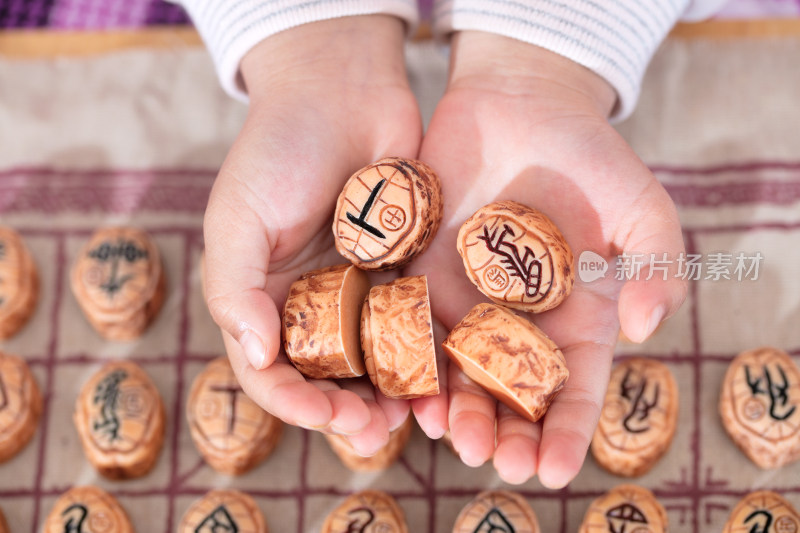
[656, 317]
[254, 349]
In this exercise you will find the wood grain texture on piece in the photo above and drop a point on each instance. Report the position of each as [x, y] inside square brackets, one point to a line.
[516, 256]
[510, 357]
[387, 213]
[397, 339]
[119, 283]
[763, 511]
[120, 419]
[760, 406]
[382, 460]
[20, 405]
[628, 508]
[639, 417]
[369, 511]
[321, 321]
[231, 432]
[19, 283]
[498, 511]
[87, 509]
[223, 511]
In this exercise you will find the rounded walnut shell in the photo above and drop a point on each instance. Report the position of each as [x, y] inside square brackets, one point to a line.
[369, 511]
[118, 281]
[120, 419]
[382, 460]
[223, 510]
[516, 256]
[19, 283]
[321, 321]
[757, 509]
[639, 417]
[87, 509]
[397, 339]
[497, 510]
[231, 432]
[387, 213]
[20, 405]
[509, 357]
[760, 406]
[625, 508]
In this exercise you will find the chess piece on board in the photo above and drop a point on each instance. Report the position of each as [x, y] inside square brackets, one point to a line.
[19, 283]
[120, 419]
[119, 283]
[760, 406]
[638, 419]
[231, 432]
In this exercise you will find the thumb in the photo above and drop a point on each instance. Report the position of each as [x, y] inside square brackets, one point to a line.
[236, 257]
[653, 289]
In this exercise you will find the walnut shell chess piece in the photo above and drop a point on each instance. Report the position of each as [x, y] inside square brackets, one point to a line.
[397, 339]
[625, 508]
[321, 321]
[763, 511]
[19, 283]
[497, 510]
[231, 432]
[510, 357]
[20, 405]
[369, 511]
[382, 460]
[87, 509]
[760, 406]
[118, 281]
[388, 213]
[3, 523]
[223, 510]
[639, 417]
[516, 256]
[120, 418]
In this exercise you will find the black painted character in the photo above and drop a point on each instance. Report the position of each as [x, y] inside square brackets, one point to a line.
[361, 518]
[361, 219]
[636, 419]
[526, 267]
[218, 521]
[124, 250]
[75, 515]
[107, 394]
[762, 520]
[622, 516]
[494, 522]
[777, 391]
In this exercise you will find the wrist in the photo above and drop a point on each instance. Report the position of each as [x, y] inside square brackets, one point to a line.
[357, 50]
[489, 62]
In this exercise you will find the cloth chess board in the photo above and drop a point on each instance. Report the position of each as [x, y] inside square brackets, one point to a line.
[135, 136]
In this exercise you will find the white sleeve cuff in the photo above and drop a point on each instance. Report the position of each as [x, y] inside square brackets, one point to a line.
[614, 39]
[230, 28]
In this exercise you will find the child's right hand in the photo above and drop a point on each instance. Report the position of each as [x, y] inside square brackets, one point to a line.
[325, 99]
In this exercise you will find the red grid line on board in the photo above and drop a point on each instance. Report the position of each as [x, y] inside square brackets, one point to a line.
[48, 385]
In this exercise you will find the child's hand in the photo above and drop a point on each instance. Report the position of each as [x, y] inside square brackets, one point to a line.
[325, 99]
[521, 123]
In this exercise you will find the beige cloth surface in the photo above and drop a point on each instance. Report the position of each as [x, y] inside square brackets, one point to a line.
[135, 136]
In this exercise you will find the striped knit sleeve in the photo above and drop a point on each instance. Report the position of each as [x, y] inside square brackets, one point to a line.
[230, 28]
[614, 39]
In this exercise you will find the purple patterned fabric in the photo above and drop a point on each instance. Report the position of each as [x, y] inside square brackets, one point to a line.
[88, 14]
[109, 14]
